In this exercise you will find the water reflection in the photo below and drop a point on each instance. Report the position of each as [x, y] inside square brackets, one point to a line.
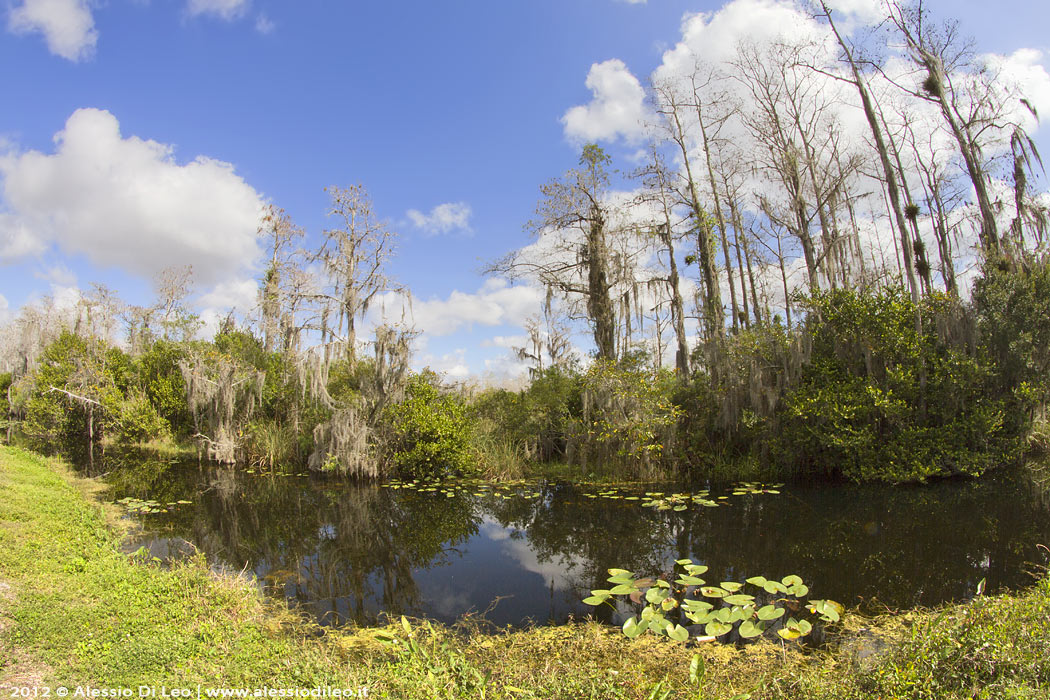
[346, 551]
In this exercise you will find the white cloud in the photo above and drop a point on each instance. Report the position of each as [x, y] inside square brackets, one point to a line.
[617, 108]
[505, 341]
[126, 202]
[16, 240]
[5, 310]
[57, 274]
[444, 218]
[223, 9]
[496, 303]
[67, 25]
[264, 25]
[452, 365]
[1023, 68]
[866, 11]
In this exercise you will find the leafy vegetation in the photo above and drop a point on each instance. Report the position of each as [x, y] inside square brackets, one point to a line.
[666, 605]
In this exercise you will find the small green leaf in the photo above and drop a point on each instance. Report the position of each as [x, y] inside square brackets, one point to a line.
[770, 612]
[622, 589]
[713, 592]
[595, 600]
[656, 595]
[685, 580]
[731, 586]
[739, 599]
[677, 633]
[714, 628]
[633, 627]
[749, 629]
[696, 670]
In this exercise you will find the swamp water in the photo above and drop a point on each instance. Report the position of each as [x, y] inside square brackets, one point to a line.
[531, 551]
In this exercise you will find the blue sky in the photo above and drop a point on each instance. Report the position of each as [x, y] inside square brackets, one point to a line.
[455, 102]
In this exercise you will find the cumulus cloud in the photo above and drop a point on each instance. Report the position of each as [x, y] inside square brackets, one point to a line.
[223, 9]
[616, 109]
[67, 25]
[444, 218]
[496, 303]
[126, 202]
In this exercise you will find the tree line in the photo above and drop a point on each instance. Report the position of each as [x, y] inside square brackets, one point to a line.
[768, 292]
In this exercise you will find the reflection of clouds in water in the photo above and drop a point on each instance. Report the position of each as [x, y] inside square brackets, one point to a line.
[449, 603]
[517, 548]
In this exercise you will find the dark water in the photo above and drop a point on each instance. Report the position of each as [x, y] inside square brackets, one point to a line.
[531, 552]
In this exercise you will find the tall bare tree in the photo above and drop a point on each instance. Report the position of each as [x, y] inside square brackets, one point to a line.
[574, 217]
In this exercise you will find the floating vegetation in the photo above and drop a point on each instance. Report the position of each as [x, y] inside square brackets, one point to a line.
[657, 500]
[680, 501]
[137, 505]
[718, 609]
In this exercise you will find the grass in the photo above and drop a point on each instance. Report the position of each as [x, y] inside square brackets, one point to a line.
[75, 610]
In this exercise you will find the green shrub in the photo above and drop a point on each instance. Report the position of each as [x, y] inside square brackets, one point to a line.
[139, 421]
[429, 431]
[879, 401]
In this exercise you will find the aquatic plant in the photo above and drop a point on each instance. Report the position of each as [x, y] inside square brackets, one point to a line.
[718, 609]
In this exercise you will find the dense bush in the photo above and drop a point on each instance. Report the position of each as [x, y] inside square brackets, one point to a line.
[628, 417]
[881, 401]
[78, 366]
[429, 431]
[139, 421]
[1013, 322]
[162, 382]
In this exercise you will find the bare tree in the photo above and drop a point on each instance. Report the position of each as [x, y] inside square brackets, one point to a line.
[574, 217]
[353, 257]
[678, 112]
[279, 233]
[657, 181]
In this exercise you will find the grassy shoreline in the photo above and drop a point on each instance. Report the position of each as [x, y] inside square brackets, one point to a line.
[74, 611]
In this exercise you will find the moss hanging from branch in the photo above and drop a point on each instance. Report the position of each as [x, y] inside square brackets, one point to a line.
[348, 441]
[222, 394]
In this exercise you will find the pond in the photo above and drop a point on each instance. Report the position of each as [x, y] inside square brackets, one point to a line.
[530, 552]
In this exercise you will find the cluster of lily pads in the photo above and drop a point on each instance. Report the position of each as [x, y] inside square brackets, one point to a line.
[264, 472]
[718, 609]
[467, 487]
[679, 501]
[137, 505]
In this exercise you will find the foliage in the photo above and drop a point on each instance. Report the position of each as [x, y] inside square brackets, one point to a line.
[1013, 322]
[78, 366]
[161, 380]
[139, 421]
[535, 422]
[270, 445]
[666, 605]
[627, 413]
[429, 431]
[880, 401]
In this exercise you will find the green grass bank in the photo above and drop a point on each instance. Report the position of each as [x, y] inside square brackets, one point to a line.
[75, 611]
